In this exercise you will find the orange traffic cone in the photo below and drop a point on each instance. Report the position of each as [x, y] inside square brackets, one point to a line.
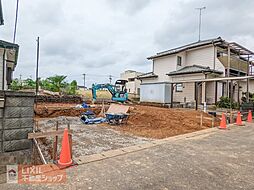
[249, 118]
[223, 123]
[65, 155]
[239, 119]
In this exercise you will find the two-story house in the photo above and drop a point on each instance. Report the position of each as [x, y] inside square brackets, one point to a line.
[133, 84]
[195, 73]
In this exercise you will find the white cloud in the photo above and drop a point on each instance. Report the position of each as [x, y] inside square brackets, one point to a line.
[108, 36]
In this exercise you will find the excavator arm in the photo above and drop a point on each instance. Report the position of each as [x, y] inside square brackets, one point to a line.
[118, 91]
[96, 87]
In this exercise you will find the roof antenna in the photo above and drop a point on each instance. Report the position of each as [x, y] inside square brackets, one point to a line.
[199, 25]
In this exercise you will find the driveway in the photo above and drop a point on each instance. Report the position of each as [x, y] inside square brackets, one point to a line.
[214, 159]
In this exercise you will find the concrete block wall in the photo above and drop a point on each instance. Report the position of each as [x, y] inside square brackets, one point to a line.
[16, 121]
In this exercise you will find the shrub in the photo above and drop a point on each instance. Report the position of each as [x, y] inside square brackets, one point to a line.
[226, 103]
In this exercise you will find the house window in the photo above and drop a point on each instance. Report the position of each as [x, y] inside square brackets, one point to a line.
[179, 87]
[138, 91]
[179, 61]
[9, 76]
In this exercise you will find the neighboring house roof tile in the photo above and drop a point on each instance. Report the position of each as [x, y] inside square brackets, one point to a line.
[193, 69]
[147, 75]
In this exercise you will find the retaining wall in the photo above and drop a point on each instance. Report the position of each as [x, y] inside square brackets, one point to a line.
[16, 120]
[60, 99]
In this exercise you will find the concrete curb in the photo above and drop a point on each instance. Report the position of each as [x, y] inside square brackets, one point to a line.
[118, 152]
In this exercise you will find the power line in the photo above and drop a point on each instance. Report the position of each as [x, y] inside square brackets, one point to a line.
[199, 25]
[93, 75]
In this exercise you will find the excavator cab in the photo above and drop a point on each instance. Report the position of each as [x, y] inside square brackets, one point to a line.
[121, 94]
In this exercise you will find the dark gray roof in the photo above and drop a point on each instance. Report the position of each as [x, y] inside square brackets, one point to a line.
[8, 45]
[193, 69]
[186, 47]
[11, 47]
[147, 75]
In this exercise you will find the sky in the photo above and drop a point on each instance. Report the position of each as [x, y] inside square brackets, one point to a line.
[106, 37]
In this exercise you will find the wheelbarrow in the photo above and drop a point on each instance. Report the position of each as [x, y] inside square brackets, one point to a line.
[117, 118]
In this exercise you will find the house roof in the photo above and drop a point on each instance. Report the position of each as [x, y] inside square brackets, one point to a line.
[235, 47]
[194, 69]
[147, 75]
[186, 47]
[13, 50]
[8, 45]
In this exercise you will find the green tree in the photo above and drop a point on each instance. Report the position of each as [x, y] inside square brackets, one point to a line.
[15, 85]
[29, 84]
[72, 87]
[55, 83]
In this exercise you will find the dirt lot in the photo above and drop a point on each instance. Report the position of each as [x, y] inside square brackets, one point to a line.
[144, 124]
[154, 122]
[144, 121]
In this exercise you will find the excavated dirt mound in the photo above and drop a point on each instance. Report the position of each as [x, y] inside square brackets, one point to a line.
[50, 110]
[155, 122]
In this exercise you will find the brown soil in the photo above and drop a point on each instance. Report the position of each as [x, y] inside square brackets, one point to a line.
[50, 110]
[144, 121]
[154, 122]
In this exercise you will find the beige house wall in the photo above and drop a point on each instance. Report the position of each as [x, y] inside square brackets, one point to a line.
[162, 66]
[188, 93]
[1, 69]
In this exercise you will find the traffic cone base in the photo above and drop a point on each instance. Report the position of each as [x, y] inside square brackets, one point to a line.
[64, 164]
[65, 155]
[223, 123]
[249, 118]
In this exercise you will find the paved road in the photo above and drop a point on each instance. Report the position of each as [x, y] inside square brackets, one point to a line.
[217, 160]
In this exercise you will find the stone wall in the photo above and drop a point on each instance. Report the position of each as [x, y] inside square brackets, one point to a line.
[16, 120]
[59, 99]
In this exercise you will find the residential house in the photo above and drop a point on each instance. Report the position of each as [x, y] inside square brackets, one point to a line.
[133, 85]
[8, 62]
[195, 73]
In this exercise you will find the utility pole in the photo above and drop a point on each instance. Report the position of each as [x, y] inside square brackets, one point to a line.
[37, 67]
[84, 81]
[110, 79]
[1, 14]
[16, 21]
[20, 79]
[199, 25]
